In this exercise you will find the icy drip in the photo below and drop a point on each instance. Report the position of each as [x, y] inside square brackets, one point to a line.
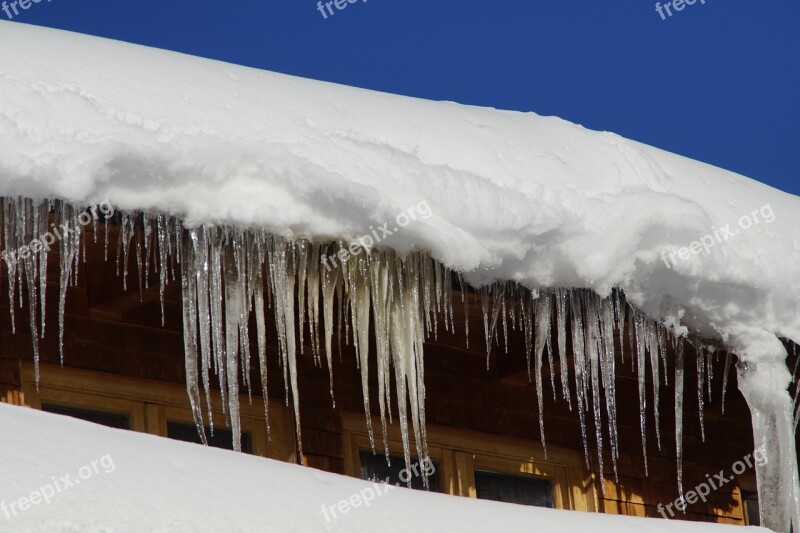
[228, 266]
[728, 359]
[701, 382]
[580, 369]
[641, 374]
[561, 321]
[189, 293]
[679, 412]
[228, 274]
[762, 384]
[543, 309]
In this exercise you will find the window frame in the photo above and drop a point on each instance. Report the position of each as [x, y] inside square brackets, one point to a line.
[149, 404]
[460, 452]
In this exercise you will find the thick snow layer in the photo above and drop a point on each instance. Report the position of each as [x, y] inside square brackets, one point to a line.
[143, 483]
[514, 196]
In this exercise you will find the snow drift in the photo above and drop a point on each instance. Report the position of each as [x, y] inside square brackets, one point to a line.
[167, 486]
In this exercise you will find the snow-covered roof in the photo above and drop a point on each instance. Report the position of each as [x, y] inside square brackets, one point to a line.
[103, 479]
[513, 196]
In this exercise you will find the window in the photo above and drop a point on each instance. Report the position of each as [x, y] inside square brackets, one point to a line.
[752, 516]
[375, 468]
[222, 438]
[112, 420]
[153, 407]
[478, 465]
[514, 488]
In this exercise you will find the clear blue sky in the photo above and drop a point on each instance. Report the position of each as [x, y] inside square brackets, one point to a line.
[718, 82]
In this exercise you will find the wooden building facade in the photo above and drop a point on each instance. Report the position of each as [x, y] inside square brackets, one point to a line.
[124, 369]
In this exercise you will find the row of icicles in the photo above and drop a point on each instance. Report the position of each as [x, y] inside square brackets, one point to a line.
[228, 274]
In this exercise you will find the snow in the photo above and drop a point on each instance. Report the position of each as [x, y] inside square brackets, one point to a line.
[148, 484]
[514, 196]
[266, 169]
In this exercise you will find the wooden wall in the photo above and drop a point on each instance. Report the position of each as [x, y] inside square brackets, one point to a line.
[110, 330]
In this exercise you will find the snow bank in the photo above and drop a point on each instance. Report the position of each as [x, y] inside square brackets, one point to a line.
[144, 483]
[514, 196]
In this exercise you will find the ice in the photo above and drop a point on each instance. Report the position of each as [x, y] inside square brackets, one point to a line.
[701, 382]
[579, 367]
[641, 375]
[679, 371]
[229, 276]
[771, 413]
[592, 341]
[543, 312]
[189, 291]
[561, 320]
[728, 359]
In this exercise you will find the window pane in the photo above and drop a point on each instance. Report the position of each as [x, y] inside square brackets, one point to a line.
[513, 488]
[223, 438]
[750, 500]
[374, 468]
[112, 420]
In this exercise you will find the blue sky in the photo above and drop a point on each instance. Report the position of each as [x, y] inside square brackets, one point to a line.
[718, 82]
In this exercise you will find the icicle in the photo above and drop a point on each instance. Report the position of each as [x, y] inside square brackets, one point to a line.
[312, 296]
[44, 212]
[360, 303]
[770, 409]
[655, 340]
[261, 329]
[148, 235]
[67, 253]
[216, 296]
[9, 243]
[542, 317]
[608, 367]
[302, 273]
[710, 369]
[189, 289]
[330, 280]
[233, 310]
[641, 374]
[619, 317]
[592, 346]
[282, 268]
[139, 262]
[465, 301]
[679, 412]
[725, 378]
[380, 302]
[28, 226]
[701, 382]
[201, 269]
[485, 308]
[561, 314]
[163, 250]
[579, 366]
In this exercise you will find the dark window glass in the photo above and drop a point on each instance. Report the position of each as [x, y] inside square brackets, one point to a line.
[752, 516]
[112, 420]
[514, 488]
[374, 468]
[222, 438]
